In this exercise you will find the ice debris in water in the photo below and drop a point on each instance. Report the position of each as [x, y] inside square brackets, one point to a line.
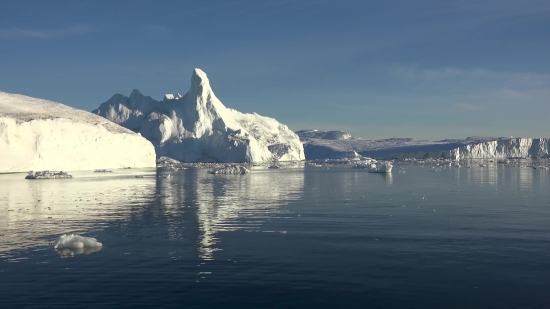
[72, 241]
[230, 169]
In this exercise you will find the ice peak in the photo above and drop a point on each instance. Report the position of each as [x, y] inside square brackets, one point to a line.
[199, 82]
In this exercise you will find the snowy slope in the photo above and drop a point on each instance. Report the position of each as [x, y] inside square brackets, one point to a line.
[197, 127]
[323, 145]
[37, 134]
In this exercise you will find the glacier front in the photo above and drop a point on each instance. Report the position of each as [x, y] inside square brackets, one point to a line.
[197, 127]
[37, 134]
[337, 144]
[501, 148]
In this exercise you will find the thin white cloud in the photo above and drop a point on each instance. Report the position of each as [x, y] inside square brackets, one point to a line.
[18, 33]
[480, 87]
[447, 73]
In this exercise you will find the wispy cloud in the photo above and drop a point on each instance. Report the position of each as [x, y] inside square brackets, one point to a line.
[512, 95]
[18, 33]
[446, 73]
[478, 89]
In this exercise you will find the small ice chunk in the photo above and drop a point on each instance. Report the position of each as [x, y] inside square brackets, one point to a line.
[72, 241]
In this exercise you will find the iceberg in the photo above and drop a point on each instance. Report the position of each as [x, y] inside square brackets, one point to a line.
[197, 127]
[37, 134]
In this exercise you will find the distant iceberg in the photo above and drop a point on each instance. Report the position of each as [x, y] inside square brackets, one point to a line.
[380, 168]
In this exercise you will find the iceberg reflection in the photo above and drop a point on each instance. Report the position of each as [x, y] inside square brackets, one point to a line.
[246, 202]
[209, 204]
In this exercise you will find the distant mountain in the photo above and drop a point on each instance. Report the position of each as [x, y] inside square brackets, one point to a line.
[332, 135]
[197, 127]
[37, 134]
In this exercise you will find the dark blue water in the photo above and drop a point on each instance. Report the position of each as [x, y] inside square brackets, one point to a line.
[288, 238]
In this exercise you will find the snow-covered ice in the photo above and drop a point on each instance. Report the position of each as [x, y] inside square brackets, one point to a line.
[197, 127]
[37, 134]
[74, 241]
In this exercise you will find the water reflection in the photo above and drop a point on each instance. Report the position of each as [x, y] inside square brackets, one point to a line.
[32, 211]
[522, 176]
[389, 179]
[193, 209]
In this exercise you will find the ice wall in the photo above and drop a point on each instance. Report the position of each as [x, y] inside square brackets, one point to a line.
[324, 145]
[497, 149]
[38, 134]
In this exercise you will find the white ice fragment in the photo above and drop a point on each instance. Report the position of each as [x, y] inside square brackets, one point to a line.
[72, 241]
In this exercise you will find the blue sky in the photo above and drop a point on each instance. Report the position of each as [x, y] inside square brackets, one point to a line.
[376, 69]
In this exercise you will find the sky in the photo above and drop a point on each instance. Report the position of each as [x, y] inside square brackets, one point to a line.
[426, 69]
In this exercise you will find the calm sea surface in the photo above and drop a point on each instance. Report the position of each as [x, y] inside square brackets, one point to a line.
[291, 238]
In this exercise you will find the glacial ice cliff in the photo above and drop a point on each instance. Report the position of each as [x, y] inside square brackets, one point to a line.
[336, 144]
[37, 134]
[502, 148]
[197, 127]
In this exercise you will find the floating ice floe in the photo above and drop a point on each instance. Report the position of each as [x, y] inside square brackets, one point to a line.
[47, 175]
[72, 241]
[230, 169]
